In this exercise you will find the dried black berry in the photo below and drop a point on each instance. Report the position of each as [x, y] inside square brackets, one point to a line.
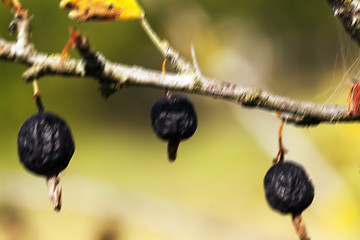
[45, 144]
[288, 188]
[173, 119]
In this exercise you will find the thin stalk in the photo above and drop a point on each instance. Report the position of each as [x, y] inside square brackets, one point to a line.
[300, 227]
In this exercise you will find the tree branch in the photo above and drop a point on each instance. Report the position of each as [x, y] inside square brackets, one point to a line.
[113, 76]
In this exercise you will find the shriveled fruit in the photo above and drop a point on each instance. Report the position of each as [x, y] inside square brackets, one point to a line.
[173, 119]
[288, 188]
[45, 144]
[45, 147]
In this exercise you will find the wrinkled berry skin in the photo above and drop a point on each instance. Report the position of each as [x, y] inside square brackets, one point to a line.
[288, 188]
[174, 119]
[45, 144]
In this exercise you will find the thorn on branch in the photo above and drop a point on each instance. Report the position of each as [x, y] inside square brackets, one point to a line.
[195, 62]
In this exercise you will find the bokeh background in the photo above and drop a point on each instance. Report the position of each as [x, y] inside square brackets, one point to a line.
[119, 184]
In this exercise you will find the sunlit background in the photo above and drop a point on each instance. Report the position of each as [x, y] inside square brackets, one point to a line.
[119, 183]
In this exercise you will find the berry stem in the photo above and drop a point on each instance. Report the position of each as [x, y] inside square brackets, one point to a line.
[163, 70]
[300, 227]
[73, 36]
[163, 66]
[39, 104]
[55, 191]
[37, 97]
[35, 87]
[282, 150]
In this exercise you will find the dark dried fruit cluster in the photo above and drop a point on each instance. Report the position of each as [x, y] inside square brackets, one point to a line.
[288, 189]
[45, 147]
[45, 143]
[173, 118]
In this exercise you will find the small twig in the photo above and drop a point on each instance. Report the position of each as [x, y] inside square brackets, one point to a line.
[300, 227]
[165, 49]
[162, 46]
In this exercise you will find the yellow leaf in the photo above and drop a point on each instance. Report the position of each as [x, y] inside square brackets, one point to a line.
[14, 4]
[102, 10]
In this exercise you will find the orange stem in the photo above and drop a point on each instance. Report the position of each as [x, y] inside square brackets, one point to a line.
[74, 36]
[282, 150]
[349, 98]
[300, 227]
[163, 69]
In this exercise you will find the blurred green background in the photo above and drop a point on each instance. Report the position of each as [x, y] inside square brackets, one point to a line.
[119, 184]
